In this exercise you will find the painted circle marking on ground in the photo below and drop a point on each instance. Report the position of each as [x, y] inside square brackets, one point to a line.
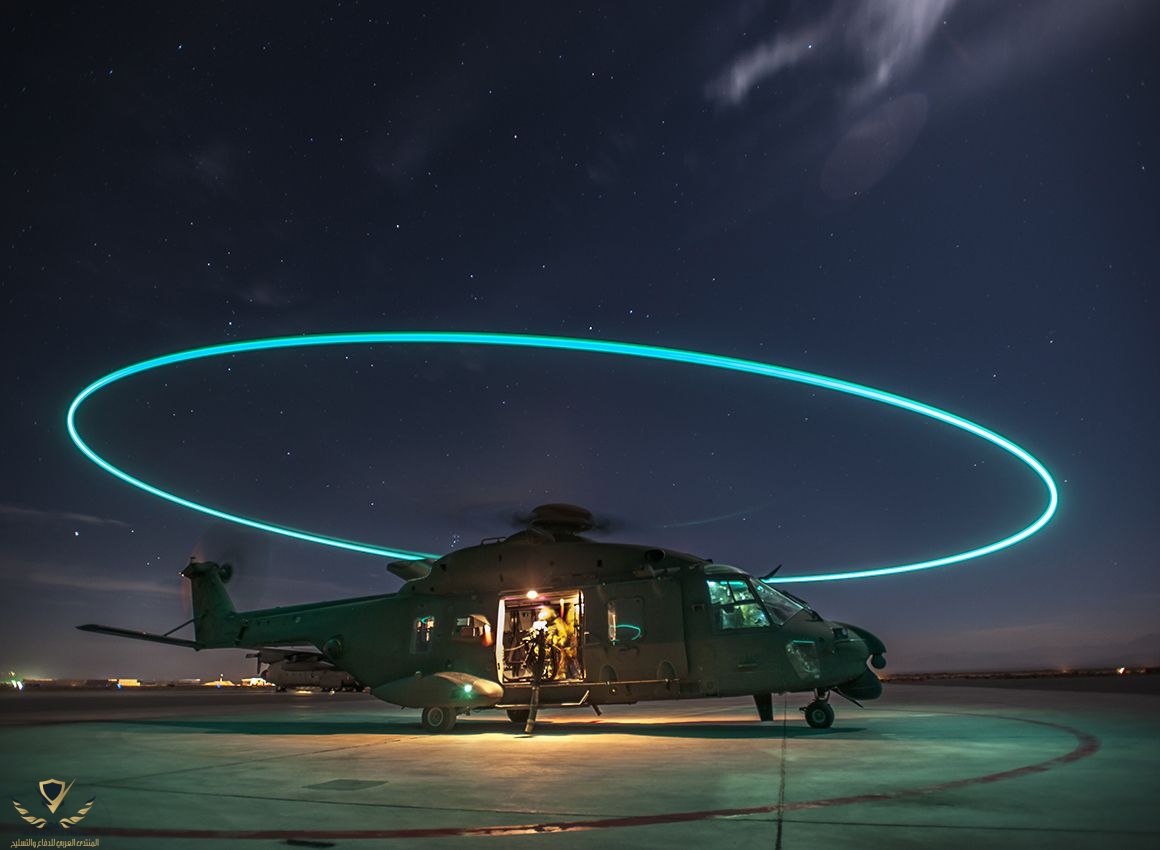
[1086, 745]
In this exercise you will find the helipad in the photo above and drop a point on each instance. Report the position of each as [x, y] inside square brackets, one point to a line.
[925, 766]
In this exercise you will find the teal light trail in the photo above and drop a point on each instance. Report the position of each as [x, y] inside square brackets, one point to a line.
[623, 349]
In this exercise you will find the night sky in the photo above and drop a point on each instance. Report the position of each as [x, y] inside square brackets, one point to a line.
[953, 202]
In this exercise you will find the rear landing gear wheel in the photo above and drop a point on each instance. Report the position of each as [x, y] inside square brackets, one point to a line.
[518, 716]
[819, 714]
[438, 718]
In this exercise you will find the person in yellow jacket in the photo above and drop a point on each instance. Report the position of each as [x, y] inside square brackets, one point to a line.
[561, 636]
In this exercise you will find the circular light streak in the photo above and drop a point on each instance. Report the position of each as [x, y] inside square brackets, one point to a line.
[624, 349]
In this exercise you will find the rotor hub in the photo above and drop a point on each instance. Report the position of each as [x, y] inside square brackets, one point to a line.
[561, 518]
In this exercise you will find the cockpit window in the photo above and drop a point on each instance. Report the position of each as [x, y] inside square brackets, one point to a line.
[735, 606]
[740, 602]
[779, 606]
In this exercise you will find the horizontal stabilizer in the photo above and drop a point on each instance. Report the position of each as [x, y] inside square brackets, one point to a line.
[269, 655]
[129, 633]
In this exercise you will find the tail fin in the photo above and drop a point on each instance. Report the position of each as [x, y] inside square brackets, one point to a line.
[215, 620]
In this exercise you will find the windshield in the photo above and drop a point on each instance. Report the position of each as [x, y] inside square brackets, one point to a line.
[779, 606]
[742, 603]
[735, 606]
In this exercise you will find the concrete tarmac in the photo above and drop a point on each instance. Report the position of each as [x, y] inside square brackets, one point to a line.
[948, 766]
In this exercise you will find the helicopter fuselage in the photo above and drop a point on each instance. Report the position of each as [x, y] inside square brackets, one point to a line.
[542, 619]
[642, 624]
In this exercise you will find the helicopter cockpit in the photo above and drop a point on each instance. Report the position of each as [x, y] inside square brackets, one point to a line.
[739, 601]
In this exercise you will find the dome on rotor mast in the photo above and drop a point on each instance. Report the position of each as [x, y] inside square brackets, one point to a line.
[559, 518]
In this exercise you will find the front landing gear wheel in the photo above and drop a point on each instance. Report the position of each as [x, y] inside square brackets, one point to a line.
[819, 714]
[438, 718]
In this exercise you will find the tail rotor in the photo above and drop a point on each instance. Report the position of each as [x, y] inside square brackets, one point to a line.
[242, 554]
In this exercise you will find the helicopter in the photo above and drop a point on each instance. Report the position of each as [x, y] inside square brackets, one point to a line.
[288, 668]
[548, 618]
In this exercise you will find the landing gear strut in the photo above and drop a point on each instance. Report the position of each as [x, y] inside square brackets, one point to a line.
[438, 718]
[764, 703]
[539, 662]
[819, 713]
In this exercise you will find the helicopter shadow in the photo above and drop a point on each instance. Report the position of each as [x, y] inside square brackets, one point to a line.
[700, 730]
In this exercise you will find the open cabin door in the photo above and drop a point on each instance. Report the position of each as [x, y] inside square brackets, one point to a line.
[553, 621]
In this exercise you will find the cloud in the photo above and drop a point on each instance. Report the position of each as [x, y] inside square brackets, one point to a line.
[734, 85]
[872, 47]
[269, 295]
[104, 583]
[890, 36]
[873, 146]
[15, 513]
[882, 39]
[882, 68]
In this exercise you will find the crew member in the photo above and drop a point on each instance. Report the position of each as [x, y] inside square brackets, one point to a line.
[561, 636]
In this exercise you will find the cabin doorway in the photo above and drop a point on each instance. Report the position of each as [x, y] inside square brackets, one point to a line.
[540, 637]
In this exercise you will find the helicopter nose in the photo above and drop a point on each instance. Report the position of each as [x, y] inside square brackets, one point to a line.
[859, 643]
[875, 648]
[865, 686]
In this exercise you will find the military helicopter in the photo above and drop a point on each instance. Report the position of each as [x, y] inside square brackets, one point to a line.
[548, 618]
[289, 668]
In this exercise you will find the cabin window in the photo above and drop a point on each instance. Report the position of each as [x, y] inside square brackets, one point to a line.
[474, 628]
[625, 619]
[735, 606]
[423, 634]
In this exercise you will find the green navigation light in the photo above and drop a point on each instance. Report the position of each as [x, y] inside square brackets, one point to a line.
[624, 349]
